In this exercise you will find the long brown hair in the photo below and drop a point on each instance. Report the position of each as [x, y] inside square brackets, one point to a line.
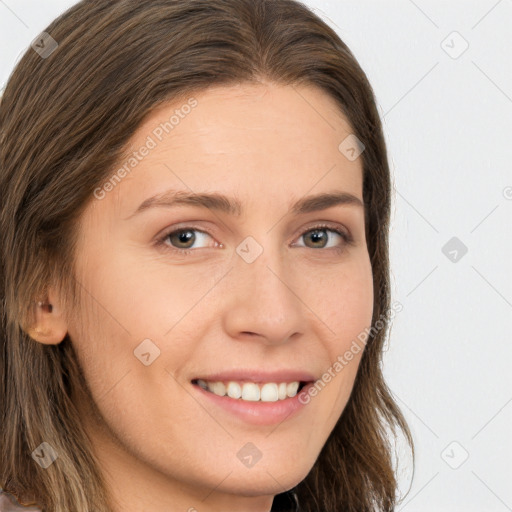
[65, 118]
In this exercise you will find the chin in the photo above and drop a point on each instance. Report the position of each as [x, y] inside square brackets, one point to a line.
[268, 481]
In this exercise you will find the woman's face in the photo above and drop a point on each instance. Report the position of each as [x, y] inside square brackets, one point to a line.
[253, 295]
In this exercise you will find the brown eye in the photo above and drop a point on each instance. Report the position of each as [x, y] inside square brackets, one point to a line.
[319, 237]
[183, 239]
[182, 236]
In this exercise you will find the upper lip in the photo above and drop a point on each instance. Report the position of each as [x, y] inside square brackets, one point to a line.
[255, 375]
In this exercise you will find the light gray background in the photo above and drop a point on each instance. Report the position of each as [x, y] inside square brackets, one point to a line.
[447, 122]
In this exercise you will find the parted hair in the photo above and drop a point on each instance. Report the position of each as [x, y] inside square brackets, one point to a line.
[65, 120]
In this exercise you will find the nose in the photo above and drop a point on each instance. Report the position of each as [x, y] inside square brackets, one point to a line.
[265, 302]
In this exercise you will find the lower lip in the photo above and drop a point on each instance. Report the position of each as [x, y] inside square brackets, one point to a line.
[259, 413]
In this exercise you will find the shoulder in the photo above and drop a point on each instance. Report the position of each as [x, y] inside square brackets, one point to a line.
[8, 503]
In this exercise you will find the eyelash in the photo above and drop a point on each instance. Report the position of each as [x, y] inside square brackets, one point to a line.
[161, 242]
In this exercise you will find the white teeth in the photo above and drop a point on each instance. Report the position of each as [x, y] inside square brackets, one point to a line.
[234, 390]
[291, 388]
[252, 392]
[218, 388]
[269, 393]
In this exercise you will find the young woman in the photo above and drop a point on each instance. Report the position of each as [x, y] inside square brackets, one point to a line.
[195, 201]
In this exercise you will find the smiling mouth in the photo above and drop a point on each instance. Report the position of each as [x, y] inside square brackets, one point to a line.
[252, 391]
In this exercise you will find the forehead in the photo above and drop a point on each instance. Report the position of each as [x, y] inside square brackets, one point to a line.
[268, 113]
[258, 140]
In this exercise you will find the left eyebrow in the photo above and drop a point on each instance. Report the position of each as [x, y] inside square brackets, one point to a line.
[232, 206]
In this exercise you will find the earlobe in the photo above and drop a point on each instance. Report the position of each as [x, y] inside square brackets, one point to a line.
[50, 325]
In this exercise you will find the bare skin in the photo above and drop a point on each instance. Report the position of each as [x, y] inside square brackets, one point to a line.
[299, 305]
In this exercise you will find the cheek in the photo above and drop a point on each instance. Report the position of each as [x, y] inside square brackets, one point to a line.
[345, 306]
[345, 303]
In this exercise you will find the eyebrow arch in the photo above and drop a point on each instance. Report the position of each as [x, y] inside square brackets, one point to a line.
[222, 203]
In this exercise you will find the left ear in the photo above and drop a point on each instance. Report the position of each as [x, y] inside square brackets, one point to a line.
[50, 326]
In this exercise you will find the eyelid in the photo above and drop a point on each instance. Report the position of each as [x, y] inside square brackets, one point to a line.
[183, 226]
[328, 225]
[318, 225]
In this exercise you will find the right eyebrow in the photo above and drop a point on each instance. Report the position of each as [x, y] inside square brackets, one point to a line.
[232, 206]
